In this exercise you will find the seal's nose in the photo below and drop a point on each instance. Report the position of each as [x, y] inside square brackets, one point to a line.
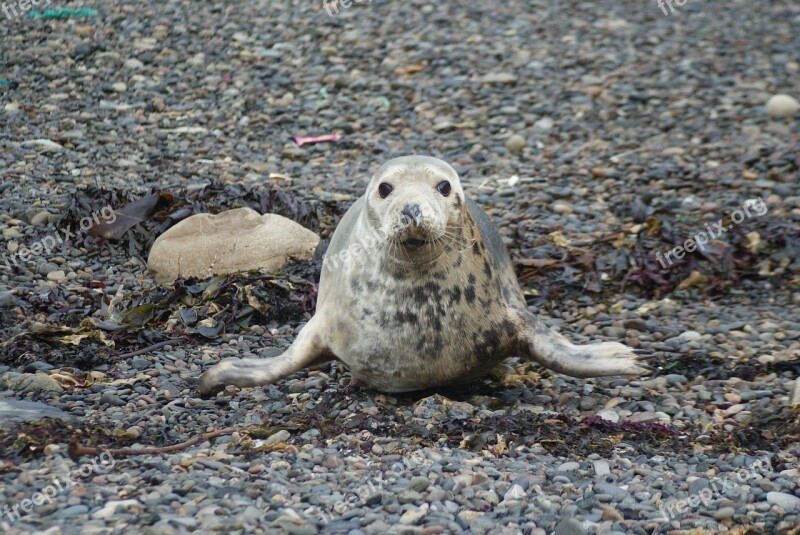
[412, 214]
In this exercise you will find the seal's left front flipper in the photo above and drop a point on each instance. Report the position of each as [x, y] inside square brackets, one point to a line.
[538, 343]
[306, 350]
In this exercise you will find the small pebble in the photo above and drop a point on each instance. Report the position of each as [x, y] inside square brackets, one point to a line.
[782, 106]
[515, 143]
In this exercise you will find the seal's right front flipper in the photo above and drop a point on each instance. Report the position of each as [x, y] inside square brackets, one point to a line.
[306, 350]
[551, 350]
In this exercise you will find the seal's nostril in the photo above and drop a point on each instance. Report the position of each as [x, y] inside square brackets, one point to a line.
[412, 214]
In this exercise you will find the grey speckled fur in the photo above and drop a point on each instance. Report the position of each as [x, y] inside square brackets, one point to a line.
[406, 317]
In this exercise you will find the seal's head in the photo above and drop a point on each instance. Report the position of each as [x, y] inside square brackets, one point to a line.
[415, 203]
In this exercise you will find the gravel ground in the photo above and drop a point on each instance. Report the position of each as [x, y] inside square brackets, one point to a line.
[612, 121]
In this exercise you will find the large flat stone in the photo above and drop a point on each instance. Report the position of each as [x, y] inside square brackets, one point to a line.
[14, 411]
[238, 240]
[30, 383]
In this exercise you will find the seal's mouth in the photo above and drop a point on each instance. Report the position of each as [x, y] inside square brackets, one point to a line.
[414, 242]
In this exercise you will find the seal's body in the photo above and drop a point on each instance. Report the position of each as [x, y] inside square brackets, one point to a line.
[403, 326]
[417, 290]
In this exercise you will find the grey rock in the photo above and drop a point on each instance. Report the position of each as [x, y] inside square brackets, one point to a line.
[75, 510]
[675, 379]
[30, 383]
[112, 399]
[46, 268]
[13, 411]
[281, 436]
[38, 366]
[697, 485]
[635, 324]
[419, 483]
[788, 502]
[7, 300]
[568, 467]
[614, 332]
[724, 512]
[140, 363]
[616, 492]
[570, 526]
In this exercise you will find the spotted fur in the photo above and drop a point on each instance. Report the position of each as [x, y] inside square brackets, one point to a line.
[406, 317]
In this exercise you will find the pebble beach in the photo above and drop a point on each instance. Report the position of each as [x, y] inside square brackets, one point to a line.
[600, 137]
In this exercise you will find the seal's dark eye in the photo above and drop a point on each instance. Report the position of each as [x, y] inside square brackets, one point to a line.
[384, 189]
[443, 187]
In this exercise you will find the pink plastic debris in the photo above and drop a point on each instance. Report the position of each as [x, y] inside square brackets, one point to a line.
[317, 139]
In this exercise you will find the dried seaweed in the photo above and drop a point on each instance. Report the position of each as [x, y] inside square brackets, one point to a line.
[227, 303]
[220, 305]
[192, 309]
[29, 440]
[697, 363]
[500, 433]
[615, 263]
[768, 429]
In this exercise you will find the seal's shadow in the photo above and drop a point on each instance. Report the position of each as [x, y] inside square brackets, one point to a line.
[490, 392]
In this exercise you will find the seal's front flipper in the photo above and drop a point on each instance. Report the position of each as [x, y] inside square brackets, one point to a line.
[550, 349]
[306, 350]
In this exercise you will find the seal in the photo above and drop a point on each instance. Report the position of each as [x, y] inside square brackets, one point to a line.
[417, 291]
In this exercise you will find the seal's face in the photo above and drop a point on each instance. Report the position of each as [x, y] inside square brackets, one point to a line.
[415, 204]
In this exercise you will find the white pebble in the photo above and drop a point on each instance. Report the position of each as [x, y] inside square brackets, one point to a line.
[46, 145]
[516, 492]
[782, 106]
[56, 275]
[569, 466]
[601, 467]
[690, 336]
[562, 208]
[608, 415]
[515, 143]
[41, 218]
[133, 64]
[110, 508]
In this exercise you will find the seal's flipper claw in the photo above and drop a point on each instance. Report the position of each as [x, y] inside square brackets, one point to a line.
[305, 350]
[553, 351]
[645, 355]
